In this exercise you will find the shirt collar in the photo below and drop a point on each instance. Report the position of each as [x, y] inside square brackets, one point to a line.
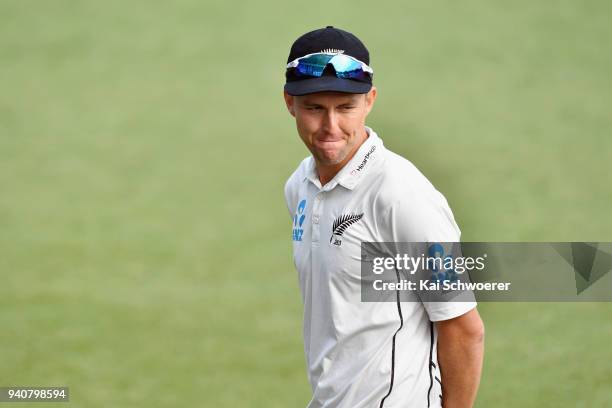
[352, 173]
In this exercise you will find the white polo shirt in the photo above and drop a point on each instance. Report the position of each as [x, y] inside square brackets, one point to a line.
[360, 354]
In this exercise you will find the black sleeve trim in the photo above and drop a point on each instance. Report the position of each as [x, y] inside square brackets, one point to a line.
[431, 363]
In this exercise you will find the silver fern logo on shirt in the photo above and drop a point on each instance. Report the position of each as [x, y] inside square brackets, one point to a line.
[341, 224]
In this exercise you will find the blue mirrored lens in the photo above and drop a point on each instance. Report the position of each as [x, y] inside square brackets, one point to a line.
[342, 63]
[344, 66]
[348, 68]
[313, 65]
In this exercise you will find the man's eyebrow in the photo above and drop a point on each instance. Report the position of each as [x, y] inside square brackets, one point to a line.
[309, 103]
[351, 100]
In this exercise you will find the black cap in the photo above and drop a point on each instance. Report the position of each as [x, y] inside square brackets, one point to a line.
[328, 38]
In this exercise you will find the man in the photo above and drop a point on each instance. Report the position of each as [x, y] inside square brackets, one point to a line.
[352, 190]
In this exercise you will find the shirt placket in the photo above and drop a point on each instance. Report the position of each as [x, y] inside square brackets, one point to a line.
[316, 217]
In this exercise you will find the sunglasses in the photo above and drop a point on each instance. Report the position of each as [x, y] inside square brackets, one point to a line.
[347, 67]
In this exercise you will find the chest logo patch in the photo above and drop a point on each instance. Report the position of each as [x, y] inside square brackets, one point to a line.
[340, 225]
[298, 220]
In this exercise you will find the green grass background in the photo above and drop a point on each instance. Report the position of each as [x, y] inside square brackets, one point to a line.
[144, 240]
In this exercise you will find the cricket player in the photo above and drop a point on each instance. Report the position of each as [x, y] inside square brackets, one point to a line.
[352, 189]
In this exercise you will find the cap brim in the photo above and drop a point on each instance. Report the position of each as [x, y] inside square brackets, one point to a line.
[326, 83]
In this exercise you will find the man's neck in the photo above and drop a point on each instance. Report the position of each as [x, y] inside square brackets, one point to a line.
[327, 173]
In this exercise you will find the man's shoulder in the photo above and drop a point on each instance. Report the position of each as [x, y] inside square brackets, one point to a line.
[421, 210]
[399, 176]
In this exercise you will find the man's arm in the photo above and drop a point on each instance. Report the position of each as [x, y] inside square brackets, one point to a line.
[460, 355]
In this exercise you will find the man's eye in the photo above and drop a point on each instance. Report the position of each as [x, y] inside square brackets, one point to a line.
[347, 107]
[314, 108]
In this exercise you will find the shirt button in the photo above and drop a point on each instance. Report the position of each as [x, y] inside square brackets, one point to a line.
[315, 219]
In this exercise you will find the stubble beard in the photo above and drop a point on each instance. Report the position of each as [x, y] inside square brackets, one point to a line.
[325, 159]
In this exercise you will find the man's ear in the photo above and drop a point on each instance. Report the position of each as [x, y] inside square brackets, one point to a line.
[289, 101]
[370, 98]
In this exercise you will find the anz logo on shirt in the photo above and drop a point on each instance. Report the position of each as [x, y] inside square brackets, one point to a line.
[298, 221]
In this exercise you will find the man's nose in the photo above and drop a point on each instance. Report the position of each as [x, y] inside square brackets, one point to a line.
[330, 121]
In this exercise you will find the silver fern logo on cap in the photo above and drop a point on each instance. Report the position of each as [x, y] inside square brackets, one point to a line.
[341, 224]
[332, 51]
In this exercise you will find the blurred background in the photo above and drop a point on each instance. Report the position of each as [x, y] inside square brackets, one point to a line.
[145, 246]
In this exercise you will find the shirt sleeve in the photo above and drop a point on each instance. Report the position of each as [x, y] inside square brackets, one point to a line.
[423, 219]
[429, 220]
